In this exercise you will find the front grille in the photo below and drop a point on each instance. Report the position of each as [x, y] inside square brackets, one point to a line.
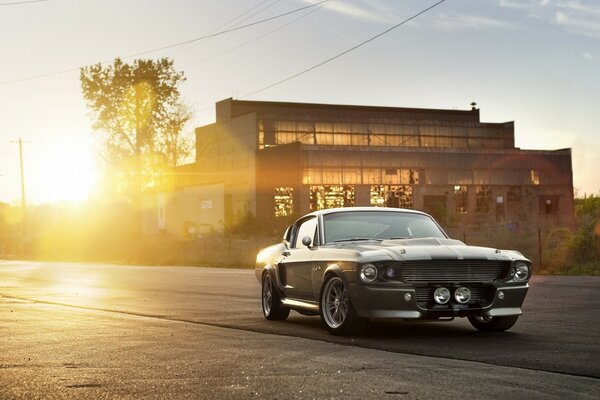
[458, 271]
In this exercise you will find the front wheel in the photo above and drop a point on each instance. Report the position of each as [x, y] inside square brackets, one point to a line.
[336, 309]
[493, 324]
[271, 300]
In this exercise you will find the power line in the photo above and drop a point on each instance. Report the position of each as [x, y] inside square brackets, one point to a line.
[224, 25]
[239, 16]
[23, 202]
[256, 13]
[256, 38]
[344, 52]
[226, 30]
[210, 35]
[21, 2]
[31, 77]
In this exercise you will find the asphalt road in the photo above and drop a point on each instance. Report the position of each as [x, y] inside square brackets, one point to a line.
[105, 331]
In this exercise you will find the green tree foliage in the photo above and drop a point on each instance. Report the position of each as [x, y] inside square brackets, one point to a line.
[138, 109]
[576, 250]
[585, 245]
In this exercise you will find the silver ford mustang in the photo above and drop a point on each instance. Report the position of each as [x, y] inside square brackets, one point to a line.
[350, 265]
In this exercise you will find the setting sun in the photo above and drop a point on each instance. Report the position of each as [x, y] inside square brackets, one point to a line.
[65, 173]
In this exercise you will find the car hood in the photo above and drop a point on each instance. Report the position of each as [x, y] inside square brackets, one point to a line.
[428, 249]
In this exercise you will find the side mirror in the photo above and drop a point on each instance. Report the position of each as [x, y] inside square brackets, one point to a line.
[306, 241]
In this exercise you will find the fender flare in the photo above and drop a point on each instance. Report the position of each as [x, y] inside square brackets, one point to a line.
[269, 269]
[335, 270]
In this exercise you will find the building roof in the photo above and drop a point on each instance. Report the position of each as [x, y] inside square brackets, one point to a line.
[230, 108]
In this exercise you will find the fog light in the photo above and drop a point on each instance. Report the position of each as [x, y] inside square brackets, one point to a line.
[368, 273]
[462, 295]
[407, 296]
[441, 295]
[501, 295]
[390, 272]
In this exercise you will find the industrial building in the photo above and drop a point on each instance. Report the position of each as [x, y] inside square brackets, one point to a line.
[275, 159]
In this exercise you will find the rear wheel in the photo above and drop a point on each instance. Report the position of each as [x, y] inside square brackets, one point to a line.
[271, 300]
[493, 324]
[336, 309]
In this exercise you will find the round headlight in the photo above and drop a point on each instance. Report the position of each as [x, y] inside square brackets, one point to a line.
[441, 295]
[390, 272]
[462, 295]
[521, 272]
[368, 273]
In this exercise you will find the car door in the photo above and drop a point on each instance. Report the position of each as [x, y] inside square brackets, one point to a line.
[297, 264]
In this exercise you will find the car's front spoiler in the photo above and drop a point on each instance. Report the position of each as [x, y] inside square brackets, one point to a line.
[385, 302]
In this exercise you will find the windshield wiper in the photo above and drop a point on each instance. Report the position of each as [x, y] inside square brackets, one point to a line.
[355, 239]
[401, 237]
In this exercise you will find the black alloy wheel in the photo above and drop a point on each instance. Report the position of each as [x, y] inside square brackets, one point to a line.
[337, 313]
[271, 300]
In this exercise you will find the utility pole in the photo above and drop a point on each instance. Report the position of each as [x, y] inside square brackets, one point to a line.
[23, 203]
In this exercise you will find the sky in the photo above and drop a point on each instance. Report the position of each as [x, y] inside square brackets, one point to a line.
[535, 62]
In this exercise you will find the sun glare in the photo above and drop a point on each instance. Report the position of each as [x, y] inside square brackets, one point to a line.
[70, 283]
[65, 173]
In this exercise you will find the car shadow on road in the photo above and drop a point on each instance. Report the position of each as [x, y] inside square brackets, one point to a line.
[449, 339]
[447, 332]
[421, 330]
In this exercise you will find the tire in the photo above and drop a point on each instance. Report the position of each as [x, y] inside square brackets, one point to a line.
[271, 300]
[337, 313]
[493, 324]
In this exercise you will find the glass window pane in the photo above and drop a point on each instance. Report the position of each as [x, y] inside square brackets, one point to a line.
[284, 201]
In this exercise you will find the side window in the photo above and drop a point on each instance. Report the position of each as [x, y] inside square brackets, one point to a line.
[287, 236]
[308, 228]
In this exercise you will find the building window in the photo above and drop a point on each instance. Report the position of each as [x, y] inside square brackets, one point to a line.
[397, 196]
[476, 142]
[513, 199]
[352, 175]
[410, 176]
[372, 176]
[357, 175]
[324, 138]
[534, 176]
[331, 196]
[428, 141]
[284, 201]
[483, 195]
[378, 196]
[548, 205]
[444, 141]
[312, 176]
[391, 175]
[332, 175]
[460, 199]
[410, 141]
[459, 142]
[261, 134]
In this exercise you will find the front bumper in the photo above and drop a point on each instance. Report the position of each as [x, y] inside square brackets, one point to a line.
[385, 302]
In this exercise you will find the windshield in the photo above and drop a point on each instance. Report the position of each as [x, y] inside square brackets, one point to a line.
[378, 225]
